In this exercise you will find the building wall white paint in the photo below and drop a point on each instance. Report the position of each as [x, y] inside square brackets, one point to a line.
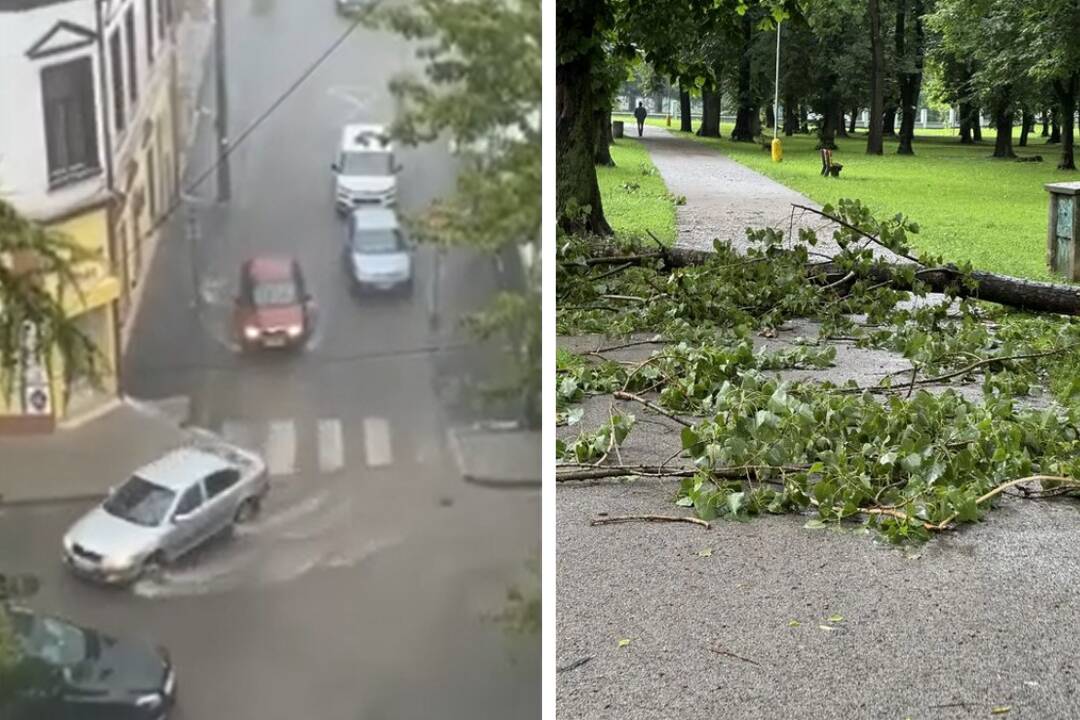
[24, 170]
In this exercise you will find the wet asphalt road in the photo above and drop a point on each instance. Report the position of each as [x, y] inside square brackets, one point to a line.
[364, 589]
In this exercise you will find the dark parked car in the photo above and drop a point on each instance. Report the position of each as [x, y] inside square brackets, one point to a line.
[273, 309]
[66, 672]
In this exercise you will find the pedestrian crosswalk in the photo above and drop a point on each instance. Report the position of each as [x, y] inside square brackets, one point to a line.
[326, 445]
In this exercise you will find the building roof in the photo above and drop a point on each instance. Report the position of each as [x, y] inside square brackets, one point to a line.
[178, 469]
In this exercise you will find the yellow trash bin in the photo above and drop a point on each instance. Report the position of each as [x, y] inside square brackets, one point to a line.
[777, 150]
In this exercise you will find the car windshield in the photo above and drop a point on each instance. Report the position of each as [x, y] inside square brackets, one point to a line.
[366, 163]
[278, 292]
[367, 242]
[54, 641]
[140, 502]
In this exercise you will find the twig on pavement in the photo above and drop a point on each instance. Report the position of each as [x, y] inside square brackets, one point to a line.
[574, 665]
[721, 651]
[621, 395]
[650, 518]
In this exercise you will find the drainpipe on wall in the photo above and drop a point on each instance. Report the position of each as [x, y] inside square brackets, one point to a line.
[174, 101]
[103, 89]
[110, 184]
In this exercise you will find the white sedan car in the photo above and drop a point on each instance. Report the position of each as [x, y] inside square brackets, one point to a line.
[166, 509]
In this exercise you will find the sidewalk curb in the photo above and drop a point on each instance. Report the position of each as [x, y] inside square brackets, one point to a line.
[51, 501]
[498, 484]
[495, 483]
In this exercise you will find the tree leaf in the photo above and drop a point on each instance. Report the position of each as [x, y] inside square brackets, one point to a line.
[624, 642]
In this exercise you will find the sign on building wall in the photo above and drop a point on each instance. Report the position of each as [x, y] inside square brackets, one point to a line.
[36, 395]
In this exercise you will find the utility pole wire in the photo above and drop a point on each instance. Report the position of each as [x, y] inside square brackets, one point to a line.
[224, 180]
[265, 115]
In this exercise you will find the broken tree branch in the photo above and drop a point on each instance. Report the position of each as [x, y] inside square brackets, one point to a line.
[872, 238]
[650, 518]
[1031, 295]
[620, 395]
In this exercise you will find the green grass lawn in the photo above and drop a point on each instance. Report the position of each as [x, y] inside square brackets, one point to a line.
[634, 195]
[969, 206]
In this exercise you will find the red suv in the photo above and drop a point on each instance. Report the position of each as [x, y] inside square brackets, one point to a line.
[273, 309]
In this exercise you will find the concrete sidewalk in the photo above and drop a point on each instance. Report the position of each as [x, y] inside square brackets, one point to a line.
[499, 455]
[723, 198]
[84, 462]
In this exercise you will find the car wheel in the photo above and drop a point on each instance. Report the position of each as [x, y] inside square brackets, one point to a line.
[247, 511]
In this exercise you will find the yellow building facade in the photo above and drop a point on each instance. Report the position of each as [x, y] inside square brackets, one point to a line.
[38, 398]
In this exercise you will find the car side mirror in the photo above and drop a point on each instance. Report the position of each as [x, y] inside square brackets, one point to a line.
[398, 169]
[181, 518]
[335, 167]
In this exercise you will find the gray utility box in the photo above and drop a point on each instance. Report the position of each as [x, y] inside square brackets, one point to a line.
[616, 128]
[1063, 230]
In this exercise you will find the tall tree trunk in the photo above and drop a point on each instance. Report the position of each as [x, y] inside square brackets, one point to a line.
[744, 131]
[965, 124]
[1055, 127]
[854, 119]
[685, 121]
[1046, 123]
[577, 194]
[1066, 91]
[658, 100]
[770, 117]
[874, 142]
[976, 123]
[710, 114]
[791, 116]
[1026, 121]
[907, 120]
[910, 82]
[804, 120]
[888, 121]
[841, 127]
[1003, 122]
[602, 153]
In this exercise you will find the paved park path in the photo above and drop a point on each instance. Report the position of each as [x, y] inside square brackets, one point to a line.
[675, 621]
[723, 198]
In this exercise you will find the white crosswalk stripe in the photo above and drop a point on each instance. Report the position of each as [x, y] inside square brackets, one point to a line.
[377, 451]
[283, 443]
[239, 433]
[331, 446]
[280, 449]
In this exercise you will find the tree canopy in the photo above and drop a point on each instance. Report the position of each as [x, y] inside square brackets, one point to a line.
[998, 58]
[481, 88]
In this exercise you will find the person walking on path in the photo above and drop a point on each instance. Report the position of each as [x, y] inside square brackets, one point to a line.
[640, 113]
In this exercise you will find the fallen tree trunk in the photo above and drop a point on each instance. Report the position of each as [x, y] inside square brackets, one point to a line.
[1014, 292]
[1020, 293]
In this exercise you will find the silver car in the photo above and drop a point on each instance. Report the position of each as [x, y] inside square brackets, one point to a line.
[166, 509]
[378, 257]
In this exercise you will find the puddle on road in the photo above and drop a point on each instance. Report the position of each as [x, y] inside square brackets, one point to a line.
[268, 523]
[277, 548]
